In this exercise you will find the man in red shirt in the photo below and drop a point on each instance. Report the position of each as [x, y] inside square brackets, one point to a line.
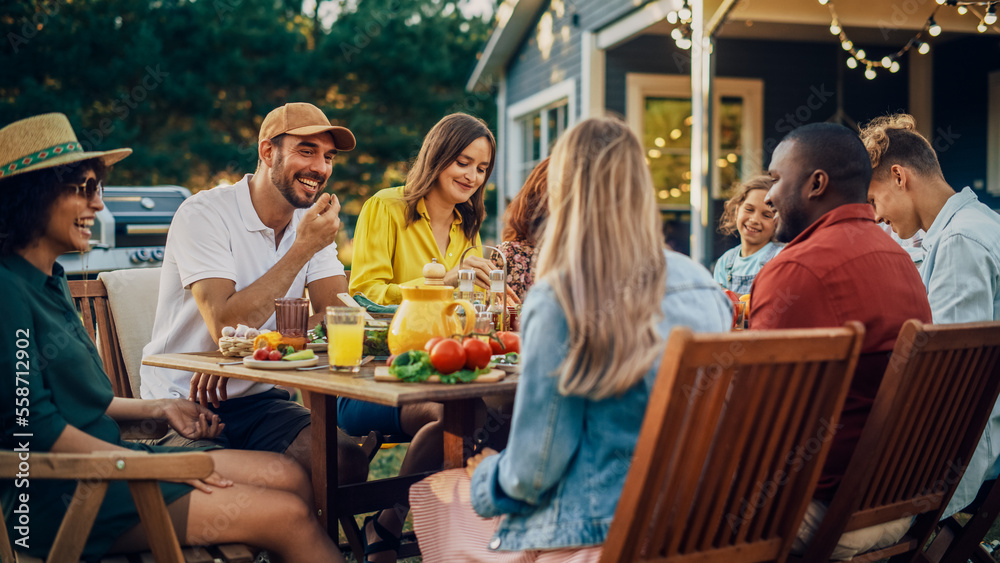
[838, 266]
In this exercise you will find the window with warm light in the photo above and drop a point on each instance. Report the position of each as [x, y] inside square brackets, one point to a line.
[659, 111]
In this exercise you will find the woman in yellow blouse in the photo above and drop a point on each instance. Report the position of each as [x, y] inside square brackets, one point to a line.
[437, 214]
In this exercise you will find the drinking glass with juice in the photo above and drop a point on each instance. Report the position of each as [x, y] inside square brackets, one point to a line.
[345, 334]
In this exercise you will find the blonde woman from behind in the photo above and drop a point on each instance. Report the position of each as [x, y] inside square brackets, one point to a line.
[591, 348]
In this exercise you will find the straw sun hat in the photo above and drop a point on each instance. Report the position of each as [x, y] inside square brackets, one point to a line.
[45, 141]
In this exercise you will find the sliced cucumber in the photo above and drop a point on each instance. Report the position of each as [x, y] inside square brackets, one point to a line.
[300, 355]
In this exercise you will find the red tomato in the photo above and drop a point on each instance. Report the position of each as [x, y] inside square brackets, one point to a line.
[447, 356]
[430, 343]
[477, 353]
[495, 346]
[274, 356]
[511, 342]
[260, 354]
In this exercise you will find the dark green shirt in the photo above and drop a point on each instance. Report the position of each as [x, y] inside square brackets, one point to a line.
[51, 376]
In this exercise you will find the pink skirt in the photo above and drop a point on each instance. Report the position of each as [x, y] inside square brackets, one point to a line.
[448, 529]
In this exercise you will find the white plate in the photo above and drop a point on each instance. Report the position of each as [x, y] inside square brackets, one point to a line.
[249, 362]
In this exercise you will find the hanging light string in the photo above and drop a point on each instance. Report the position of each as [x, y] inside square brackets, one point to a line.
[890, 62]
[682, 33]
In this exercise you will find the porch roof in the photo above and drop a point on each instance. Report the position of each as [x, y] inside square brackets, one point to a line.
[804, 20]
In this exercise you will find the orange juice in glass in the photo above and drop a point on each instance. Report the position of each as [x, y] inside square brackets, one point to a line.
[345, 336]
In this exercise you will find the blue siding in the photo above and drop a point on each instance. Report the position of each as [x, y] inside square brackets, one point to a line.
[528, 72]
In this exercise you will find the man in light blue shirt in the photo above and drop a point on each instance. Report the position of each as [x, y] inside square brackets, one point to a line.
[961, 267]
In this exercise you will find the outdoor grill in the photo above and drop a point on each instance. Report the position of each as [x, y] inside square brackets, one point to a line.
[130, 232]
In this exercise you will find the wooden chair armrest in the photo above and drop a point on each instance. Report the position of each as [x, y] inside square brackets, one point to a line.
[111, 465]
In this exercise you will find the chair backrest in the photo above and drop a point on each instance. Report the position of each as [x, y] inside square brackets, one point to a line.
[736, 431]
[132, 296]
[93, 471]
[91, 300]
[936, 397]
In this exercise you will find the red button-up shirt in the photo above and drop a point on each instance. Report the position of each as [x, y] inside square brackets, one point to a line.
[843, 268]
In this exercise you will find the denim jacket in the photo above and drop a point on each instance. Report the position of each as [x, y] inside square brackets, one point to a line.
[559, 479]
[962, 275]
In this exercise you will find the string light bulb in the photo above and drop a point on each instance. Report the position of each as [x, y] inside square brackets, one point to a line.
[941, 2]
[923, 48]
[676, 34]
[823, 2]
[685, 12]
[933, 28]
[886, 61]
[991, 14]
[672, 17]
[981, 28]
[894, 67]
[962, 10]
[860, 54]
[870, 73]
[684, 43]
[852, 63]
[835, 28]
[846, 44]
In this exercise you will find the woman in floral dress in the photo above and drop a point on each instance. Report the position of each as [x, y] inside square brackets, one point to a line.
[524, 219]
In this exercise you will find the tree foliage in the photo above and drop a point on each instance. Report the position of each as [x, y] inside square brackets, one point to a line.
[186, 83]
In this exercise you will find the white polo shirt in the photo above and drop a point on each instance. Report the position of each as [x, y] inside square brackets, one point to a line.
[217, 234]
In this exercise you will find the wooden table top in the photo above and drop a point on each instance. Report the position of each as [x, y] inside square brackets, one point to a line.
[360, 386]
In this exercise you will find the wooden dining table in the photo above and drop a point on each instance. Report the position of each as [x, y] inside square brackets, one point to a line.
[325, 386]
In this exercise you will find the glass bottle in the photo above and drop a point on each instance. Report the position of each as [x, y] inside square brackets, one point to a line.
[466, 284]
[496, 299]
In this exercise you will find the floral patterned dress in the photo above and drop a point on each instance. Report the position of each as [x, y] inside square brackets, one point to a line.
[520, 256]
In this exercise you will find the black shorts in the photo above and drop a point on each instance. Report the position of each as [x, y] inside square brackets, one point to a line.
[266, 422]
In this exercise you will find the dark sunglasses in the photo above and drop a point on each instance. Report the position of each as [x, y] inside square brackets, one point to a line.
[88, 189]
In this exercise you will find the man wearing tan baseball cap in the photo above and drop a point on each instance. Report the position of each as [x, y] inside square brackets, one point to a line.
[231, 251]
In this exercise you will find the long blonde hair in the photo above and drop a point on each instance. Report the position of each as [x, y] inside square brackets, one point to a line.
[602, 253]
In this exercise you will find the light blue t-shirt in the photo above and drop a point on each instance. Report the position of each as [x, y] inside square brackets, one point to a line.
[736, 273]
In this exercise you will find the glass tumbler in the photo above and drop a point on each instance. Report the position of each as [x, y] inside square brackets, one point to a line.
[345, 336]
[291, 314]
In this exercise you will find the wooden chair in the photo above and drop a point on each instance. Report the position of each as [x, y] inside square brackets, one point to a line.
[91, 300]
[731, 447]
[132, 297]
[958, 543]
[933, 404]
[94, 471]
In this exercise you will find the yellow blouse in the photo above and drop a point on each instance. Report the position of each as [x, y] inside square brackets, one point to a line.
[388, 254]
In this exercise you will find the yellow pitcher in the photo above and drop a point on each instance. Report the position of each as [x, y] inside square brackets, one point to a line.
[426, 312]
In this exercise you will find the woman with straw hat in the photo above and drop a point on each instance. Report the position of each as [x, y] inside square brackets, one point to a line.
[51, 189]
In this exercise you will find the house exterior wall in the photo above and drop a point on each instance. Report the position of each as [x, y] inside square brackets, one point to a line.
[800, 83]
[960, 102]
[530, 72]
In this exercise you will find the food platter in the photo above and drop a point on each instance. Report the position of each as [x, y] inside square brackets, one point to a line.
[249, 362]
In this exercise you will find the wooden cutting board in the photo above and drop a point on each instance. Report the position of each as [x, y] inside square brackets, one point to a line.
[382, 374]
